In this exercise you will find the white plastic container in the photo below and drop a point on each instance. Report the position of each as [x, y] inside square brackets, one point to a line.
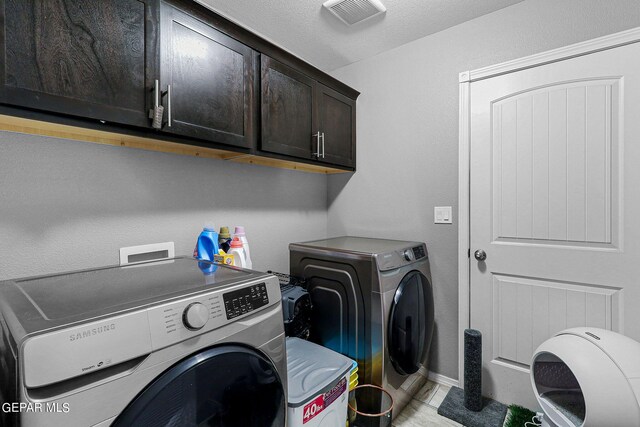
[239, 256]
[317, 384]
[240, 234]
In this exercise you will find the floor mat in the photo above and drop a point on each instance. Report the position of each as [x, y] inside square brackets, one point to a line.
[491, 415]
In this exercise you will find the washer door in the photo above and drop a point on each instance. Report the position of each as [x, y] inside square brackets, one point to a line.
[410, 323]
[228, 386]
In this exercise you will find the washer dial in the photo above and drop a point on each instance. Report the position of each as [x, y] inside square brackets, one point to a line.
[195, 316]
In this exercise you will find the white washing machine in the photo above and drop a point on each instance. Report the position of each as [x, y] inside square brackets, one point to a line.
[373, 302]
[165, 343]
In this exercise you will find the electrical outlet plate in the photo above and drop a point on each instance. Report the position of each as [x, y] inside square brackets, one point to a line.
[144, 253]
[442, 215]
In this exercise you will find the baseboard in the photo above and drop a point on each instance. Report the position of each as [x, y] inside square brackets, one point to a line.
[441, 379]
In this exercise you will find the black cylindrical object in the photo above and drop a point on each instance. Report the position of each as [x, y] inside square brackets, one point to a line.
[472, 369]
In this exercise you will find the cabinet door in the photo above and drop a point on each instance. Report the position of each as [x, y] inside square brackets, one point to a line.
[211, 81]
[287, 110]
[336, 117]
[78, 57]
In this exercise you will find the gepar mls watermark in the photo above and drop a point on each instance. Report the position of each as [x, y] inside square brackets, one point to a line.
[51, 407]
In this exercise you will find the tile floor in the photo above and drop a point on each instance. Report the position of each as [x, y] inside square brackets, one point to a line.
[423, 409]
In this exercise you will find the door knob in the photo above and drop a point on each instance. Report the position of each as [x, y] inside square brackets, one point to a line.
[480, 255]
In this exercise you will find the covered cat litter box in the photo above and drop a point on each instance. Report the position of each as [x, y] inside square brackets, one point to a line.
[318, 385]
[588, 377]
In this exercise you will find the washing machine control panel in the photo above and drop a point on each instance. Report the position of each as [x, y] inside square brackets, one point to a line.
[176, 321]
[245, 300]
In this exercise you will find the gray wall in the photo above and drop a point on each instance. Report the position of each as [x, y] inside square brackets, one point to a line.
[408, 131]
[68, 205]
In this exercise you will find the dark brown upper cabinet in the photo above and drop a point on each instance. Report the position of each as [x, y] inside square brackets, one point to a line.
[211, 83]
[336, 118]
[79, 57]
[287, 110]
[303, 118]
[207, 81]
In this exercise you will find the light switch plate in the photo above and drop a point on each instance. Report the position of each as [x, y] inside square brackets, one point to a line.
[442, 215]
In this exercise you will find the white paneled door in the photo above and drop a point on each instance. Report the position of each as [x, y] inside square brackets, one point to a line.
[555, 205]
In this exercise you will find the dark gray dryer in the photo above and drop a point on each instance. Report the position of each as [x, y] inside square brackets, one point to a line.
[372, 301]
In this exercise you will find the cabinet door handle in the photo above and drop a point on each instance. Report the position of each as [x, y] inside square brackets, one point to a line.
[156, 94]
[168, 105]
[318, 136]
[323, 145]
[155, 114]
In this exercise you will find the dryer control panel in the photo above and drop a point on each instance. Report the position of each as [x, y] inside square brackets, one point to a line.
[396, 259]
[419, 252]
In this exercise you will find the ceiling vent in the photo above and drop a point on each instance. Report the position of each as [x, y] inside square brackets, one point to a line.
[353, 11]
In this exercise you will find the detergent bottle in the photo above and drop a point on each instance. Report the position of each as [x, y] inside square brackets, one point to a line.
[224, 239]
[239, 256]
[240, 234]
[207, 244]
[206, 248]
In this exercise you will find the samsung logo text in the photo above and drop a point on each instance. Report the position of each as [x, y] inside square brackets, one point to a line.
[91, 332]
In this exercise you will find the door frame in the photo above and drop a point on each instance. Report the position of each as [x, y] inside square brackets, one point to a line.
[464, 156]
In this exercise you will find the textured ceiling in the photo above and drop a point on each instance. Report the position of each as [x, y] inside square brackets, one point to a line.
[311, 32]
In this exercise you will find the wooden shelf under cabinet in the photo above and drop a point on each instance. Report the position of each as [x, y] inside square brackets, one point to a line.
[37, 127]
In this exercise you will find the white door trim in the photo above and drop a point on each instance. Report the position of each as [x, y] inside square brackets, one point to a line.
[464, 214]
[555, 55]
[463, 223]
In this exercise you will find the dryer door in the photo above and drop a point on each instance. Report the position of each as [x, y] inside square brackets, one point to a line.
[228, 386]
[410, 323]
[338, 317]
